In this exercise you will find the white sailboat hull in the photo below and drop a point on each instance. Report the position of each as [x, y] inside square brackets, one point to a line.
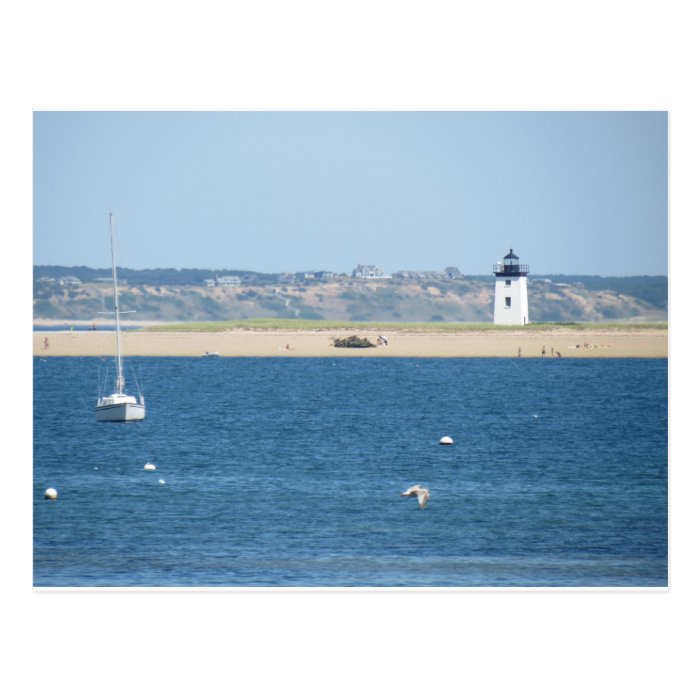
[119, 408]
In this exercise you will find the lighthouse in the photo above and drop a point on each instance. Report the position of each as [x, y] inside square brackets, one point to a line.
[510, 304]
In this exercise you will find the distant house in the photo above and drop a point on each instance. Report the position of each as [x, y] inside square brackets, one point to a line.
[228, 281]
[69, 281]
[210, 283]
[368, 272]
[46, 280]
[320, 275]
[453, 273]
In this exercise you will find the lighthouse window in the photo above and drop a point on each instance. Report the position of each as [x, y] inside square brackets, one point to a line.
[508, 283]
[507, 302]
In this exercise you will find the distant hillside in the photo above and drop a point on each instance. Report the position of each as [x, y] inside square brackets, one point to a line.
[157, 295]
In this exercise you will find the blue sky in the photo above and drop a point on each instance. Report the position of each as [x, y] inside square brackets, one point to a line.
[570, 192]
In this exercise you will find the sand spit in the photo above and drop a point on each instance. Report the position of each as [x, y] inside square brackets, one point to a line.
[280, 343]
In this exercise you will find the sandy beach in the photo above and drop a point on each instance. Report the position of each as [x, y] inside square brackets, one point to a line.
[279, 343]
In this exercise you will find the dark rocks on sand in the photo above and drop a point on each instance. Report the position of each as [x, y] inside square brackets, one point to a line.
[353, 342]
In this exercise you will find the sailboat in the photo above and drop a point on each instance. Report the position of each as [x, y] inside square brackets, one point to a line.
[118, 406]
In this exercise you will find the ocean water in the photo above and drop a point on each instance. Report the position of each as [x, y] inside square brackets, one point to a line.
[287, 473]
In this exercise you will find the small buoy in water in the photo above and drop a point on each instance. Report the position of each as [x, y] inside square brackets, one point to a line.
[51, 494]
[161, 481]
[446, 440]
[149, 467]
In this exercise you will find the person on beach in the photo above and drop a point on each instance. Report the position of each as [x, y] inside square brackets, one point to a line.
[544, 351]
[46, 343]
[558, 354]
[520, 351]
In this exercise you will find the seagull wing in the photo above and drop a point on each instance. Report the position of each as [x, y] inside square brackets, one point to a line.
[412, 491]
[423, 495]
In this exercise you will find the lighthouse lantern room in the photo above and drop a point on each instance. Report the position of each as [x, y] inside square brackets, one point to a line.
[510, 304]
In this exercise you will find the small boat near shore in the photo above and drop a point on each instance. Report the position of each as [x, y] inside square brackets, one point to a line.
[210, 354]
[119, 406]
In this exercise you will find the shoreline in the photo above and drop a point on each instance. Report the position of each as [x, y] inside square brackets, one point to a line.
[643, 343]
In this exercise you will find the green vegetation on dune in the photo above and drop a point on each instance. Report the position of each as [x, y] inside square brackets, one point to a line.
[288, 324]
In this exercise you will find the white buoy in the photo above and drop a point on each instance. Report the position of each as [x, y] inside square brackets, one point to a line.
[161, 481]
[446, 440]
[149, 467]
[51, 494]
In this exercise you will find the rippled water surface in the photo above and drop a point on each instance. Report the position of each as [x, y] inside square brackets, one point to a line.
[287, 472]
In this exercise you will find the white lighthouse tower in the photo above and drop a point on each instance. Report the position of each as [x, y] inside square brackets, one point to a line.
[510, 305]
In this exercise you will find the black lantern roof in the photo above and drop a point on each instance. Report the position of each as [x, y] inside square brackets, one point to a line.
[510, 267]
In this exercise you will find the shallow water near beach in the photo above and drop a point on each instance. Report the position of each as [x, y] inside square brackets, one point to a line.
[286, 472]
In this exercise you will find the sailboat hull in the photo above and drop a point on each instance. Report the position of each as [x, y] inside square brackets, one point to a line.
[120, 411]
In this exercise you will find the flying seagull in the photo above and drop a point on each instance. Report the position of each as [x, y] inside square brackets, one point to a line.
[420, 493]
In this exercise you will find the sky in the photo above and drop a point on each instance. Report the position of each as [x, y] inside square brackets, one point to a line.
[287, 191]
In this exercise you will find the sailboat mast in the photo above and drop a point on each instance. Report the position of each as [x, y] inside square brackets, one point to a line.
[118, 357]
